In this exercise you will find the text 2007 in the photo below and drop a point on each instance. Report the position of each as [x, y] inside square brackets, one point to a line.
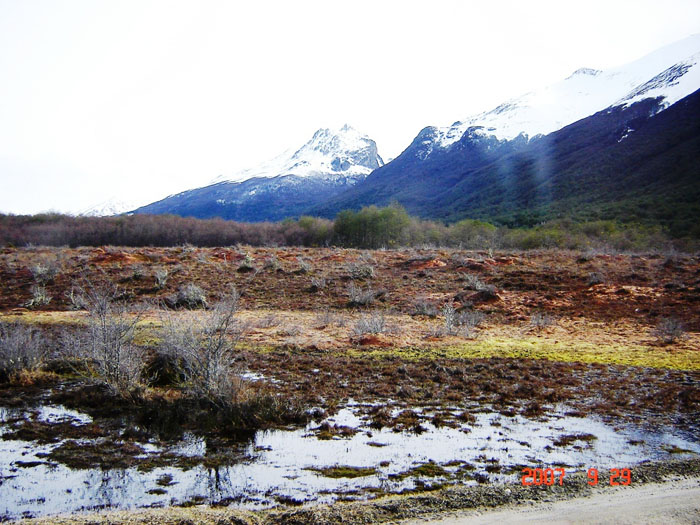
[549, 476]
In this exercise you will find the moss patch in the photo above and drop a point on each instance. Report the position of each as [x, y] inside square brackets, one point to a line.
[345, 471]
[539, 348]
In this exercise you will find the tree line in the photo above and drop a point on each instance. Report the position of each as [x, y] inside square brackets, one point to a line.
[371, 227]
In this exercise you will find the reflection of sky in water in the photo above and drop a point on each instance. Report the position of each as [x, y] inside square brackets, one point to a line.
[280, 460]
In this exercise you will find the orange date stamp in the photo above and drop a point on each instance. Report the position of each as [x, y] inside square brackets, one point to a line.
[550, 476]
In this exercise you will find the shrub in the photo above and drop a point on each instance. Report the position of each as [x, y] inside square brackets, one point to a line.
[450, 315]
[541, 320]
[21, 348]
[423, 307]
[456, 322]
[191, 296]
[205, 350]
[304, 265]
[44, 273]
[669, 330]
[318, 283]
[472, 282]
[161, 276]
[105, 350]
[39, 297]
[76, 299]
[272, 263]
[595, 278]
[468, 321]
[361, 271]
[360, 297]
[247, 265]
[374, 323]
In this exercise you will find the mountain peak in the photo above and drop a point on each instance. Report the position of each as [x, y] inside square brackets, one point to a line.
[329, 153]
[667, 74]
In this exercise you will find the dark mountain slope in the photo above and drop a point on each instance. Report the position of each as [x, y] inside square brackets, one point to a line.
[621, 163]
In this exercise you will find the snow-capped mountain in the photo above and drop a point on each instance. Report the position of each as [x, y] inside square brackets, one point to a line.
[343, 152]
[670, 72]
[331, 161]
[598, 144]
[109, 207]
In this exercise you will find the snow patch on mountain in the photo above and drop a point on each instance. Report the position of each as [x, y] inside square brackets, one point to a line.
[670, 72]
[330, 153]
[108, 208]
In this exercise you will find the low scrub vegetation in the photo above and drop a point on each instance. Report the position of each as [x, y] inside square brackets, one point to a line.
[358, 296]
[370, 227]
[203, 351]
[105, 351]
[373, 323]
[21, 348]
[669, 330]
[461, 323]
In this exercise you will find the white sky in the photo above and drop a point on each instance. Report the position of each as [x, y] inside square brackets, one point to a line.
[138, 99]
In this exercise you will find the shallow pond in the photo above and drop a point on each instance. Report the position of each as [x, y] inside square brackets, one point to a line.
[295, 466]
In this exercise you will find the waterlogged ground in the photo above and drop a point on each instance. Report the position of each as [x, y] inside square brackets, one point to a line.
[339, 457]
[566, 369]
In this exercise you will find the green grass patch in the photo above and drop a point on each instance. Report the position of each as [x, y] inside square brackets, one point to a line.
[537, 348]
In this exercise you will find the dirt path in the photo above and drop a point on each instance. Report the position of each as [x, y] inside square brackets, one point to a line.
[674, 502]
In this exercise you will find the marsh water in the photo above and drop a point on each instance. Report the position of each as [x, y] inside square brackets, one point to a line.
[287, 466]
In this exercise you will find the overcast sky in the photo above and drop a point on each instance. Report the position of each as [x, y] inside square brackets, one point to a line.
[138, 99]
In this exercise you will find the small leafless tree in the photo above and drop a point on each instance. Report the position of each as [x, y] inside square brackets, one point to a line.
[21, 348]
[105, 349]
[204, 348]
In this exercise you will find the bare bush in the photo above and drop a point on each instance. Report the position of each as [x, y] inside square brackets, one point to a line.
[44, 273]
[360, 271]
[423, 307]
[247, 264]
[40, 297]
[161, 276]
[374, 323]
[669, 330]
[318, 283]
[459, 323]
[268, 321]
[204, 349]
[21, 348]
[472, 282]
[272, 263]
[471, 318]
[138, 272]
[450, 314]
[191, 296]
[76, 299]
[595, 278]
[541, 320]
[105, 350]
[304, 265]
[360, 296]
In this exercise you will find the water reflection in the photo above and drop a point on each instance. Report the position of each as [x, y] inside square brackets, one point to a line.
[278, 462]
